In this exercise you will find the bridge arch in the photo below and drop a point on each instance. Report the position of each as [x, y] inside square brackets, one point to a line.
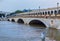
[39, 22]
[55, 11]
[12, 20]
[20, 21]
[8, 20]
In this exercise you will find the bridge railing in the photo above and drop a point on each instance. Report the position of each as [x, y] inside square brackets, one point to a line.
[37, 15]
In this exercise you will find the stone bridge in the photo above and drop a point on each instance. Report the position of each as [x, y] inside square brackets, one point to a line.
[47, 22]
[47, 17]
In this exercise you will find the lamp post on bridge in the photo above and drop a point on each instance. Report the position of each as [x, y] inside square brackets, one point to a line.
[57, 9]
[39, 10]
[29, 12]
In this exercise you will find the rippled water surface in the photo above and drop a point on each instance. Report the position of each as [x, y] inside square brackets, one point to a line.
[10, 31]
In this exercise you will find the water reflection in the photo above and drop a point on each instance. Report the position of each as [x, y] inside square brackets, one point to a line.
[10, 31]
[52, 33]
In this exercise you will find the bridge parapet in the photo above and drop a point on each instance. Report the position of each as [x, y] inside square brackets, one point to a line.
[35, 16]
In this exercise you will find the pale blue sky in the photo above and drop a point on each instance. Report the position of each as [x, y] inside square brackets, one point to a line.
[12, 5]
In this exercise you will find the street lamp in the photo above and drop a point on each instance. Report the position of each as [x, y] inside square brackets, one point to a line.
[39, 9]
[57, 7]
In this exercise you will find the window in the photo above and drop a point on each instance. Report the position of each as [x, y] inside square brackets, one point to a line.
[43, 13]
[55, 12]
[51, 12]
[59, 12]
[48, 12]
[40, 13]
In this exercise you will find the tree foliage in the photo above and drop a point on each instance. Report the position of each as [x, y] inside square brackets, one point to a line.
[25, 10]
[18, 11]
[2, 15]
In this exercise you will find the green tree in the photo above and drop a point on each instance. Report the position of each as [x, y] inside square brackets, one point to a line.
[18, 11]
[2, 15]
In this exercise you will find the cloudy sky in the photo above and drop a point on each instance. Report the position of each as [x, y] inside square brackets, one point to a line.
[12, 5]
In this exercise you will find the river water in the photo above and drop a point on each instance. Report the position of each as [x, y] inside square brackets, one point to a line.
[11, 31]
